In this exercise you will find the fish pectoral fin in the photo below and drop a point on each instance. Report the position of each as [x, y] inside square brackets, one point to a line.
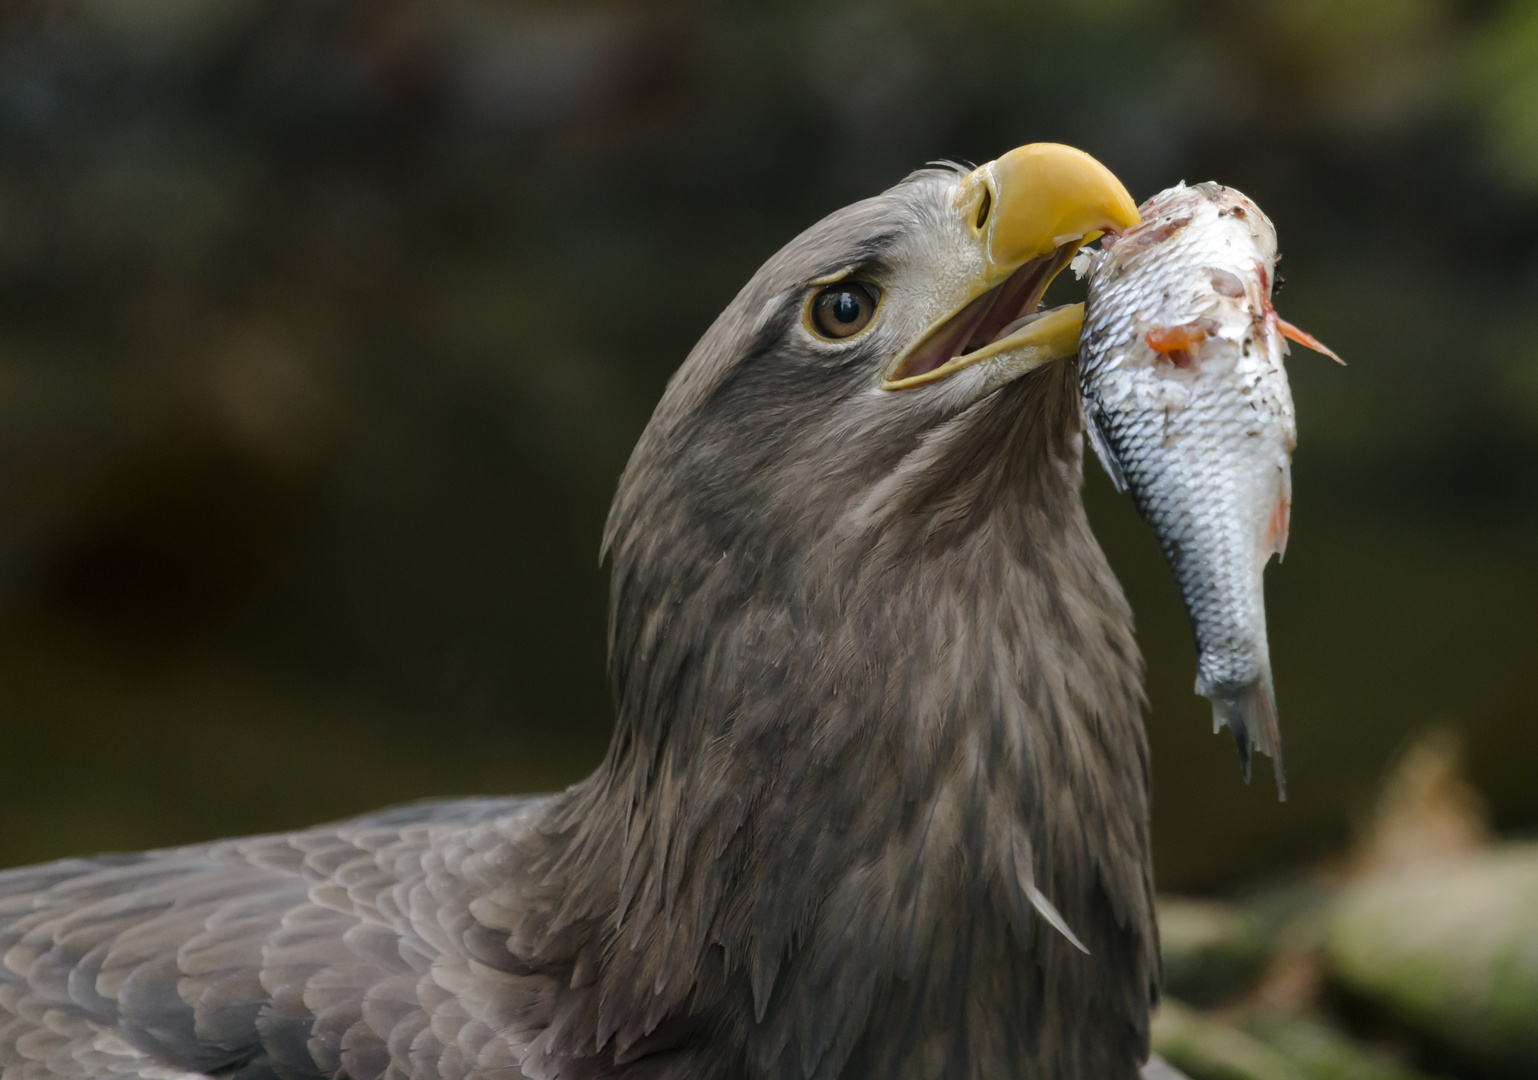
[1276, 529]
[1304, 338]
[1102, 447]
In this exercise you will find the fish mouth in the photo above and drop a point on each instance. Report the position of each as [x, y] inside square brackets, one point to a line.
[1004, 319]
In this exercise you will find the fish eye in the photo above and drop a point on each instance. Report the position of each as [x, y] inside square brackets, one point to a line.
[842, 310]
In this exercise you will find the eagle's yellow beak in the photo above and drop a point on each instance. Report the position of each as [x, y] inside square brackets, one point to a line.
[1028, 212]
[1044, 196]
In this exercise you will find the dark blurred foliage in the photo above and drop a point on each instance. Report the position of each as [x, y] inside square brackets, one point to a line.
[326, 327]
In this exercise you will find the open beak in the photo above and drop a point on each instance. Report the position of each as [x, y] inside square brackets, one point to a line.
[1029, 212]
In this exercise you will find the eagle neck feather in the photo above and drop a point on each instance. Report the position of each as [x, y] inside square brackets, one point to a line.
[846, 766]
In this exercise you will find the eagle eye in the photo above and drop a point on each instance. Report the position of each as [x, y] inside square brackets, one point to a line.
[842, 310]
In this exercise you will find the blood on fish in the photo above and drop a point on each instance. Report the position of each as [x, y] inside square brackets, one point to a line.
[1146, 237]
[1176, 342]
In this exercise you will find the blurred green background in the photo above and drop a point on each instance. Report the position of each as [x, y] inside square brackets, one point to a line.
[326, 327]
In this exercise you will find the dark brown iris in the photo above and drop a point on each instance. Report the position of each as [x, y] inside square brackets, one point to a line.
[843, 310]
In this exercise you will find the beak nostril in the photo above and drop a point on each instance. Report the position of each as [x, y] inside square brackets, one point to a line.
[984, 208]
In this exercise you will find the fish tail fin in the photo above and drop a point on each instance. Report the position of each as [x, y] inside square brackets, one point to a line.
[1250, 713]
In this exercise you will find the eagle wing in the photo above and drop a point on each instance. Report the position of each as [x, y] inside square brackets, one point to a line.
[283, 957]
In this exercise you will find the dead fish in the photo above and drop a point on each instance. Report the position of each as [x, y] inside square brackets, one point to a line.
[1186, 403]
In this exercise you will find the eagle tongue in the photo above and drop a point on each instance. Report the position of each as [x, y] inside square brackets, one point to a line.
[1009, 301]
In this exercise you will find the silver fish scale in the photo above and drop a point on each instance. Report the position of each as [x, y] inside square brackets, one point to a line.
[1188, 407]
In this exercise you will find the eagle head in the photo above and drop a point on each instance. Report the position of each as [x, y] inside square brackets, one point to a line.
[879, 328]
